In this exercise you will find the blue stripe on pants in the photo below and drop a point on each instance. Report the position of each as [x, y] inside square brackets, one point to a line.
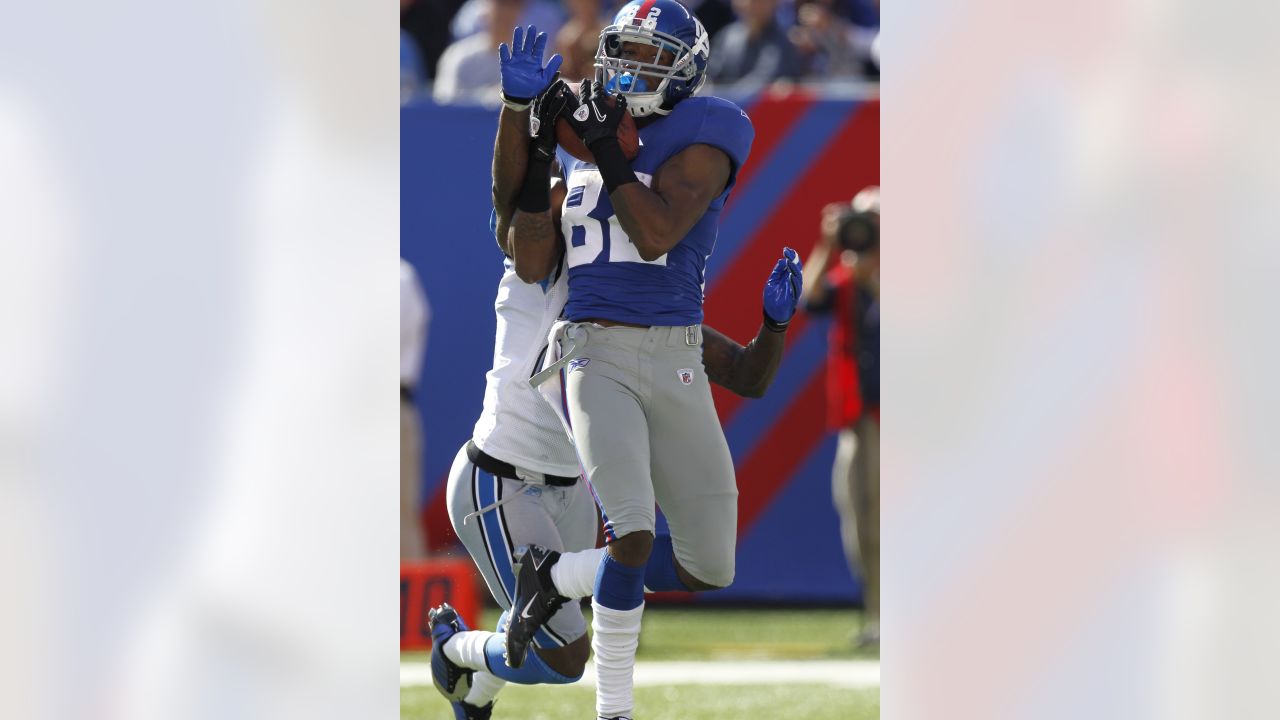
[491, 522]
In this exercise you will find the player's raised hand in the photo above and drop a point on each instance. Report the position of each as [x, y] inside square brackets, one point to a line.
[550, 104]
[598, 114]
[782, 291]
[523, 74]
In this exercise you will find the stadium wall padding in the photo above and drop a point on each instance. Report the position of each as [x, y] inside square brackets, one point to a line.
[808, 151]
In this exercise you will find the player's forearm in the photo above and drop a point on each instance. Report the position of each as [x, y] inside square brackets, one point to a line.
[534, 241]
[534, 245]
[746, 371]
[759, 361]
[502, 233]
[510, 159]
[646, 218]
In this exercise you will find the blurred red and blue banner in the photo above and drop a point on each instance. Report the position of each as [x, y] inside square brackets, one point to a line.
[809, 151]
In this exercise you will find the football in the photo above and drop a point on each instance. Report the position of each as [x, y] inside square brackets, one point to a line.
[628, 137]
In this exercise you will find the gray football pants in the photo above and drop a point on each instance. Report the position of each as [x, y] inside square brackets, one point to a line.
[639, 408]
[559, 518]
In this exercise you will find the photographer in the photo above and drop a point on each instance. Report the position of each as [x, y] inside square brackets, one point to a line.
[843, 279]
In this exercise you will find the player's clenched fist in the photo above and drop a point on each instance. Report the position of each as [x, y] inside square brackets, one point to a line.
[523, 74]
[598, 114]
[782, 291]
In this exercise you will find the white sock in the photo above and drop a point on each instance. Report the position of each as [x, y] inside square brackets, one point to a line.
[467, 648]
[615, 635]
[574, 574]
[484, 688]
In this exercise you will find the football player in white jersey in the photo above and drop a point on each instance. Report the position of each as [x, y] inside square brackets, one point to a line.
[516, 482]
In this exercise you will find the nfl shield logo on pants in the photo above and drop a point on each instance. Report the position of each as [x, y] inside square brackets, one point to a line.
[685, 375]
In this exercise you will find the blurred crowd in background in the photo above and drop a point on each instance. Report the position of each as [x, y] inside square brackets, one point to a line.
[449, 48]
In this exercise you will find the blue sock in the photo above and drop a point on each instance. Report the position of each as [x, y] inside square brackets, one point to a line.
[619, 587]
[534, 671]
[660, 573]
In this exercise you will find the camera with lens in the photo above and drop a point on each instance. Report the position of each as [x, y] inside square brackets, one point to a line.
[858, 231]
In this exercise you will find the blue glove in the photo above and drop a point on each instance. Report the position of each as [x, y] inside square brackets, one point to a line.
[523, 74]
[782, 291]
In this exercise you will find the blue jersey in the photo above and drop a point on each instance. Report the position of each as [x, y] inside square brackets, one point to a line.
[607, 277]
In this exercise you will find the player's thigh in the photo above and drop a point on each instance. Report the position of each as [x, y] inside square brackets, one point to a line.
[531, 520]
[463, 498]
[692, 469]
[492, 537]
[610, 432]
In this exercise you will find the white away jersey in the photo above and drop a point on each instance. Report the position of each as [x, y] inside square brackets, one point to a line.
[517, 425]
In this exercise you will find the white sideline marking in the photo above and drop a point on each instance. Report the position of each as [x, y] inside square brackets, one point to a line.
[844, 673]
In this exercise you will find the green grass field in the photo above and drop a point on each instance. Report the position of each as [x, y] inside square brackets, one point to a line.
[700, 635]
[678, 702]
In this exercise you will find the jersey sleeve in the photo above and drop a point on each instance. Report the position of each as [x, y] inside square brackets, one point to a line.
[726, 126]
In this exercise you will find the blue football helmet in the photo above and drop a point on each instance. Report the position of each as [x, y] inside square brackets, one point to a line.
[653, 87]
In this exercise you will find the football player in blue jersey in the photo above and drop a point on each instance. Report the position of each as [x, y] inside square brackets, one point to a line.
[626, 369]
[515, 483]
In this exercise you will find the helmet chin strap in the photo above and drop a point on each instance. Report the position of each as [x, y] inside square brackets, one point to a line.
[651, 104]
[647, 108]
[660, 109]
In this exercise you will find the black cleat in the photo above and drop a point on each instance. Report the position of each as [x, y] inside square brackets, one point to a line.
[463, 711]
[535, 602]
